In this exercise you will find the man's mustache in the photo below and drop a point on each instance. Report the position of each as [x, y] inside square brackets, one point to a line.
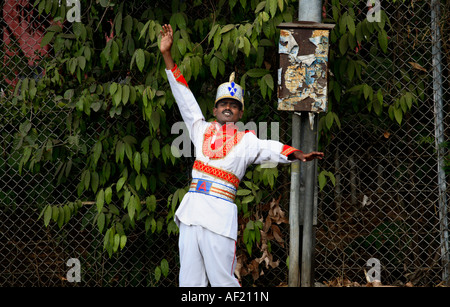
[227, 110]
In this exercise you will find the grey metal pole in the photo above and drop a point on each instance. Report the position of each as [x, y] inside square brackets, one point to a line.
[308, 10]
[439, 135]
[309, 143]
[294, 210]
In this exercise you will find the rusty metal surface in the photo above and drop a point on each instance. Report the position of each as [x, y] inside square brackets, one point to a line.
[302, 75]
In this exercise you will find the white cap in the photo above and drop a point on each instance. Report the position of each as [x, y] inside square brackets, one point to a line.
[230, 90]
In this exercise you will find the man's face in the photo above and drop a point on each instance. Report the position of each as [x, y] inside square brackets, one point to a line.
[228, 111]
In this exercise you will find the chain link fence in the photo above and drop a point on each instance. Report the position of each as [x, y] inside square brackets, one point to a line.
[386, 203]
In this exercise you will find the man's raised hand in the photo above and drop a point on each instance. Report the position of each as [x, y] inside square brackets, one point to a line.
[166, 38]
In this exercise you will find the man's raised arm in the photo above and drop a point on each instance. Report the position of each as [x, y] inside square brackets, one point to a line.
[166, 46]
[189, 108]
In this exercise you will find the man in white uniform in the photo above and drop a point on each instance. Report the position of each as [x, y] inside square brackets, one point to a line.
[207, 215]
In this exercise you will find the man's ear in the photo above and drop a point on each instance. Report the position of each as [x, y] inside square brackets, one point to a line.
[214, 111]
[241, 113]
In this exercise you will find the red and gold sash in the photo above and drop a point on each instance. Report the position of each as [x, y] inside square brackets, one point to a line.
[216, 172]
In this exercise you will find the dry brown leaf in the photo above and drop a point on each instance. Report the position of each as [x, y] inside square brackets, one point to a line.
[276, 214]
[239, 266]
[277, 234]
[267, 224]
[254, 269]
[417, 66]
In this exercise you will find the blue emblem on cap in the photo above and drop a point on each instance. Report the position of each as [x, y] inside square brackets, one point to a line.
[232, 89]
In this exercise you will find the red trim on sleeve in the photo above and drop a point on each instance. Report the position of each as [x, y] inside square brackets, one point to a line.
[178, 76]
[287, 150]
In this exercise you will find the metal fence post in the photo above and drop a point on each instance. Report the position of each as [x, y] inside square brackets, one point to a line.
[294, 210]
[309, 143]
[439, 134]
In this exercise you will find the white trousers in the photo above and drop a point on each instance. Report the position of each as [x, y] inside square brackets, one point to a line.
[206, 256]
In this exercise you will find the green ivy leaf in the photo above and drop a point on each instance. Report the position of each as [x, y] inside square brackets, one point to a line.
[273, 4]
[117, 97]
[116, 242]
[157, 273]
[164, 267]
[140, 59]
[137, 162]
[94, 182]
[398, 115]
[81, 62]
[257, 72]
[55, 214]
[181, 44]
[47, 215]
[97, 151]
[269, 81]
[61, 216]
[47, 38]
[123, 241]
[213, 66]
[100, 200]
[125, 94]
[120, 183]
[383, 40]
[132, 207]
[351, 24]
[343, 44]
[329, 119]
[101, 222]
[322, 180]
[108, 195]
[113, 88]
[227, 28]
[156, 149]
[248, 199]
[243, 192]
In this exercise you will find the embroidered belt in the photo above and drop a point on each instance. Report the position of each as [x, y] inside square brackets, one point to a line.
[216, 172]
[212, 188]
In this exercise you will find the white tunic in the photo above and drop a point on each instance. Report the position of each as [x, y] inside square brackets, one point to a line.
[215, 214]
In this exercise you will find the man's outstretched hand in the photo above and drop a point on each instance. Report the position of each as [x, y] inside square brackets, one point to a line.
[166, 38]
[304, 157]
[166, 45]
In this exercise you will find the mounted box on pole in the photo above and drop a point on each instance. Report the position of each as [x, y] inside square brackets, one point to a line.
[303, 73]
